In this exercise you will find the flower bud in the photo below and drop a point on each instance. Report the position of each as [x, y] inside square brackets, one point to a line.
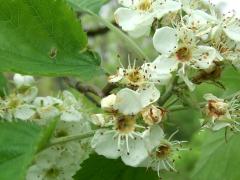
[23, 81]
[152, 115]
[108, 102]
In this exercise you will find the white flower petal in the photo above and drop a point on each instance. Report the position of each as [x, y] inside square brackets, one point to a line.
[69, 99]
[165, 40]
[233, 32]
[104, 144]
[24, 112]
[48, 112]
[108, 102]
[98, 119]
[220, 125]
[137, 152]
[164, 7]
[204, 56]
[71, 115]
[153, 136]
[117, 77]
[133, 21]
[160, 69]
[128, 102]
[29, 95]
[129, 3]
[165, 65]
[148, 94]
[23, 81]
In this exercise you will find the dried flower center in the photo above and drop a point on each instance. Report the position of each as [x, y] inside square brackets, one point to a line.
[145, 5]
[183, 54]
[163, 151]
[125, 124]
[217, 108]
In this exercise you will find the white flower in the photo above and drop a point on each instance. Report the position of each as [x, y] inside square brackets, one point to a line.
[130, 102]
[47, 107]
[179, 47]
[148, 73]
[70, 108]
[28, 95]
[57, 163]
[138, 15]
[23, 81]
[228, 24]
[123, 140]
[24, 112]
[199, 22]
[163, 156]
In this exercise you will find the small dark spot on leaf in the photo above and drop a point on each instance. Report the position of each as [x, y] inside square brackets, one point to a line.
[53, 53]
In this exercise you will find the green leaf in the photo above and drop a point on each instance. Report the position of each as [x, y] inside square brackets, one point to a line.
[20, 141]
[219, 160]
[86, 6]
[43, 37]
[3, 85]
[100, 168]
[93, 5]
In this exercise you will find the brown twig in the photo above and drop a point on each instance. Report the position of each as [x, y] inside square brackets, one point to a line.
[87, 90]
[108, 89]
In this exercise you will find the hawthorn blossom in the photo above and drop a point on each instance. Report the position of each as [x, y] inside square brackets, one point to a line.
[181, 49]
[125, 139]
[148, 73]
[163, 156]
[70, 108]
[47, 107]
[137, 16]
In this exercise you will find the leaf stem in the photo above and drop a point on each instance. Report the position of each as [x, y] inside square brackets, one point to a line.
[163, 99]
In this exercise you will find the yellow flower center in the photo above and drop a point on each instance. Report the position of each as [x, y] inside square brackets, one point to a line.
[135, 77]
[145, 5]
[125, 124]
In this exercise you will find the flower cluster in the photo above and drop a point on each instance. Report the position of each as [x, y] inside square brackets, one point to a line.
[190, 35]
[62, 160]
[192, 38]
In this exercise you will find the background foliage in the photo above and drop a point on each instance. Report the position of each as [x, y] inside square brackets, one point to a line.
[45, 37]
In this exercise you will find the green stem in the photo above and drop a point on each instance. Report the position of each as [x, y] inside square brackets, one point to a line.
[181, 107]
[131, 43]
[168, 92]
[66, 139]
